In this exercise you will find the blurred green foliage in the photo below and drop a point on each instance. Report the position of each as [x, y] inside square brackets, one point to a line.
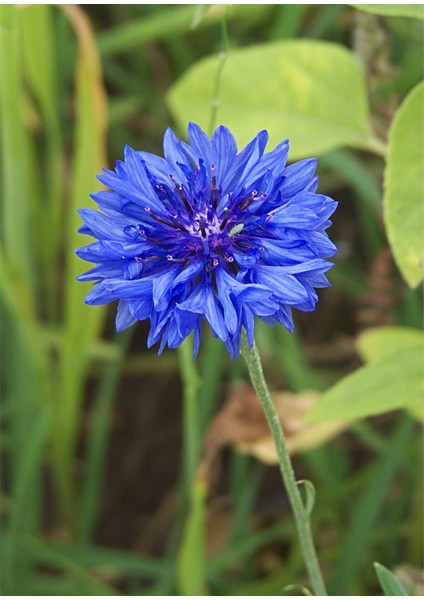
[77, 83]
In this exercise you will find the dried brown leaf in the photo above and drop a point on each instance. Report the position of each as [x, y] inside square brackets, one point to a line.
[241, 423]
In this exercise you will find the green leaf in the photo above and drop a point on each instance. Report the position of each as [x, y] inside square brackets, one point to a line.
[415, 11]
[295, 587]
[404, 187]
[394, 381]
[390, 585]
[311, 92]
[309, 500]
[374, 344]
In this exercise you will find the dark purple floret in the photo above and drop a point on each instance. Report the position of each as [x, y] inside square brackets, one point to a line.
[206, 233]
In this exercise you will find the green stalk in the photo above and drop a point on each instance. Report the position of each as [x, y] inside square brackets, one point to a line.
[191, 415]
[217, 87]
[301, 516]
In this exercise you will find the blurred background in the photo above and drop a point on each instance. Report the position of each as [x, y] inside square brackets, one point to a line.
[112, 482]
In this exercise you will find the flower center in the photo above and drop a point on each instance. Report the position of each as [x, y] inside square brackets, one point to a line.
[196, 225]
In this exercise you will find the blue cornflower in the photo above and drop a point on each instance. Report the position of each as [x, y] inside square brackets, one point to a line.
[208, 233]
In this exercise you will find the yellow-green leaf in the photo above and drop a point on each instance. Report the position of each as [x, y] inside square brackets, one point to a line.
[374, 344]
[393, 382]
[415, 11]
[404, 187]
[309, 91]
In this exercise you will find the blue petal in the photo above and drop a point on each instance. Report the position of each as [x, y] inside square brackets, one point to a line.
[249, 325]
[279, 252]
[129, 190]
[298, 176]
[174, 150]
[162, 286]
[103, 227]
[132, 269]
[284, 286]
[140, 309]
[102, 271]
[138, 177]
[282, 315]
[186, 321]
[188, 274]
[196, 339]
[224, 292]
[202, 301]
[305, 211]
[108, 249]
[273, 161]
[157, 166]
[214, 315]
[129, 290]
[99, 295]
[224, 152]
[324, 247]
[124, 318]
[108, 200]
[200, 144]
[244, 163]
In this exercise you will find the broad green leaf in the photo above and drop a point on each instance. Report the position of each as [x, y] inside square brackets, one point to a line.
[416, 409]
[415, 11]
[374, 344]
[404, 187]
[311, 92]
[393, 382]
[402, 337]
[390, 585]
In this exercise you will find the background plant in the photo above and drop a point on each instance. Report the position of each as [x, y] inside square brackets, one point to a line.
[76, 85]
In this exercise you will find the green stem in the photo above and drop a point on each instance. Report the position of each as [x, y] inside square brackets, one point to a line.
[217, 86]
[191, 416]
[254, 365]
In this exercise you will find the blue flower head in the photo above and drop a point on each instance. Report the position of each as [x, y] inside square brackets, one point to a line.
[208, 233]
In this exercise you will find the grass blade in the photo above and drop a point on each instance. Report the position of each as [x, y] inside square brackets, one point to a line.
[27, 470]
[38, 44]
[390, 585]
[15, 231]
[191, 559]
[365, 511]
[97, 445]
[82, 323]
